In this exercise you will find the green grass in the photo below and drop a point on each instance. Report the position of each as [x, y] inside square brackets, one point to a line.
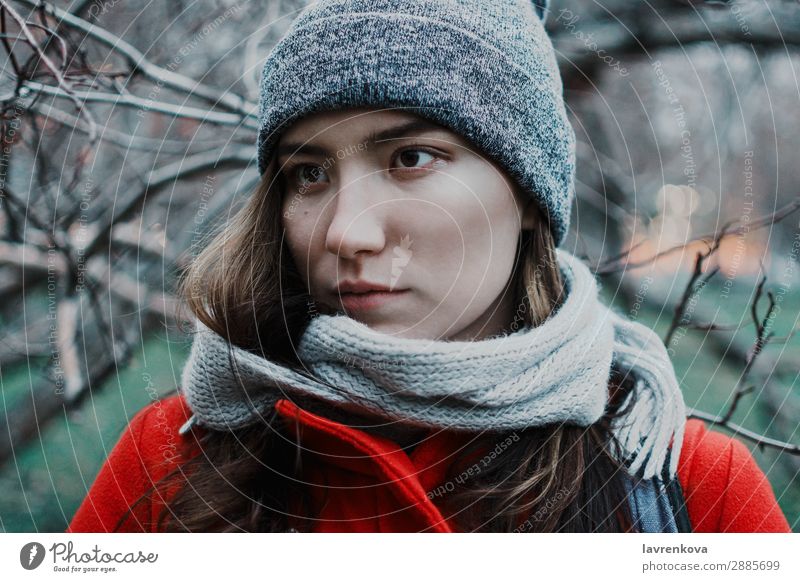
[41, 488]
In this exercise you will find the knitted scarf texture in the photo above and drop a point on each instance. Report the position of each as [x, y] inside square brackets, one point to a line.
[556, 372]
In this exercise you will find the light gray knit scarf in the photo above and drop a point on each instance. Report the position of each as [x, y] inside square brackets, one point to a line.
[556, 372]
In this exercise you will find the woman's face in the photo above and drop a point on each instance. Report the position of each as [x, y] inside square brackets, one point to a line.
[387, 199]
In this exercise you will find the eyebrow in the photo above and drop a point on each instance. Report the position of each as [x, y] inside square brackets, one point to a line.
[398, 131]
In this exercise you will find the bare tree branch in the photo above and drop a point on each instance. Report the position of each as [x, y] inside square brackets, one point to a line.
[246, 111]
[65, 86]
[745, 433]
[181, 111]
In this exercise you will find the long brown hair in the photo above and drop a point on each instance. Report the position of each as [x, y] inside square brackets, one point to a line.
[244, 286]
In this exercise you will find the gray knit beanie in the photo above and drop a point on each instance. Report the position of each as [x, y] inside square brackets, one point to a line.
[486, 69]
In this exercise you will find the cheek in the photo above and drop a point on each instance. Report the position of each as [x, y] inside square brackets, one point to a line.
[298, 226]
[469, 254]
[490, 228]
[484, 243]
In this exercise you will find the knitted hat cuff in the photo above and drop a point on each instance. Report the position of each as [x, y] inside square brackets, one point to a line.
[438, 71]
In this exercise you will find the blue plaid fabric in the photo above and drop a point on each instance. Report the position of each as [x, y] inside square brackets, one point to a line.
[650, 506]
[657, 506]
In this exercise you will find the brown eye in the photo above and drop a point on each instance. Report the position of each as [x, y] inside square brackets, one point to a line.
[309, 175]
[410, 158]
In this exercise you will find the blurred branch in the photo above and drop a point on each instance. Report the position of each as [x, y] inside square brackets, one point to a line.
[141, 103]
[65, 87]
[692, 290]
[44, 404]
[246, 111]
[119, 138]
[750, 435]
[627, 30]
[762, 338]
[620, 262]
[185, 168]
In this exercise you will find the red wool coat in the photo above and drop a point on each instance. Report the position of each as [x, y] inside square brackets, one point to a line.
[377, 487]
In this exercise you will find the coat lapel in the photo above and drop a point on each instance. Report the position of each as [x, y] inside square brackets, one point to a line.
[410, 478]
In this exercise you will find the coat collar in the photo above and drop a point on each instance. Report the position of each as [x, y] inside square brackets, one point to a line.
[358, 450]
[413, 475]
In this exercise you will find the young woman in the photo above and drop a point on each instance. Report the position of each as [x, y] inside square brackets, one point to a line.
[388, 336]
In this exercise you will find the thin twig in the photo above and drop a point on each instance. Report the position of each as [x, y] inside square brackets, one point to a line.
[140, 103]
[619, 261]
[65, 85]
[760, 440]
[692, 290]
[228, 100]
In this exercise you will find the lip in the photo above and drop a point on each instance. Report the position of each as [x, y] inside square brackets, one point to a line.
[370, 299]
[360, 287]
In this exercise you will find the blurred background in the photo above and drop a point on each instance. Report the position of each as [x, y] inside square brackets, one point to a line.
[128, 138]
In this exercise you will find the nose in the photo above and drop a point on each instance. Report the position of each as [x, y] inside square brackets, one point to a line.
[356, 227]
